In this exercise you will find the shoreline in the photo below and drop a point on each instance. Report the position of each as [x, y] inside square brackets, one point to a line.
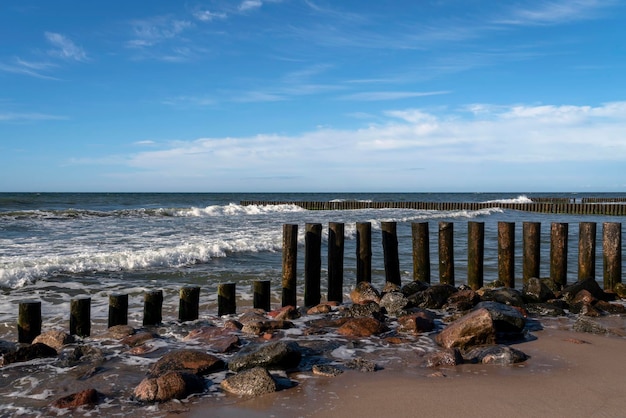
[569, 373]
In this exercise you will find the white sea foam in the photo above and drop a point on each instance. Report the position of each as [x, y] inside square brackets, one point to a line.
[518, 199]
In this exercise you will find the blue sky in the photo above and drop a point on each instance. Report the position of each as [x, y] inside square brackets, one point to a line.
[313, 95]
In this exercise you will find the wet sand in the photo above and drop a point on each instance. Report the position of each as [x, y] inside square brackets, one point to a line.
[569, 374]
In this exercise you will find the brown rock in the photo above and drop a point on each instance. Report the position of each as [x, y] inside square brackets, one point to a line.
[285, 313]
[418, 322]
[219, 340]
[447, 357]
[361, 327]
[259, 327]
[322, 308]
[119, 331]
[364, 292]
[27, 353]
[137, 339]
[462, 300]
[86, 398]
[251, 382]
[171, 385]
[55, 339]
[190, 361]
[475, 328]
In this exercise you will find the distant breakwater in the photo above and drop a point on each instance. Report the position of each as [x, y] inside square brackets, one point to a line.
[587, 206]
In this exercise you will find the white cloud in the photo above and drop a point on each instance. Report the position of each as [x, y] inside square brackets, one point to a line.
[250, 4]
[149, 32]
[208, 16]
[554, 12]
[64, 47]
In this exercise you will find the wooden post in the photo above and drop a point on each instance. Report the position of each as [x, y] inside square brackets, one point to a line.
[312, 264]
[587, 250]
[335, 261]
[261, 295]
[506, 253]
[363, 252]
[152, 307]
[390, 252]
[290, 256]
[28, 321]
[189, 304]
[80, 316]
[226, 299]
[612, 254]
[558, 253]
[531, 236]
[446, 253]
[118, 309]
[421, 251]
[475, 254]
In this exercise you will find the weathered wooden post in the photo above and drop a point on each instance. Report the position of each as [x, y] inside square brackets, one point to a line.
[290, 257]
[363, 252]
[587, 250]
[28, 321]
[531, 236]
[506, 253]
[475, 254]
[226, 299]
[612, 254]
[261, 297]
[421, 251]
[189, 303]
[558, 253]
[312, 263]
[80, 316]
[118, 309]
[335, 261]
[446, 253]
[153, 307]
[390, 252]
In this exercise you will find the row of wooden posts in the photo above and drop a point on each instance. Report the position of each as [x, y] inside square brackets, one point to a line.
[29, 318]
[548, 206]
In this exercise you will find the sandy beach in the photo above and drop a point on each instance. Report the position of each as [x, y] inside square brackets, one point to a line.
[569, 374]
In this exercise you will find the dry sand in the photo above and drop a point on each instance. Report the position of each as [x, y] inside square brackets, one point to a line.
[569, 374]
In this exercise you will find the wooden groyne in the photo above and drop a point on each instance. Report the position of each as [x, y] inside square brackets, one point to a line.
[540, 205]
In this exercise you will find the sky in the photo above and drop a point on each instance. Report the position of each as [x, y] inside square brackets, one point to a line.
[312, 96]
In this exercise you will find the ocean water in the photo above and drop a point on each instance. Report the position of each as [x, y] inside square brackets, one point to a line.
[57, 246]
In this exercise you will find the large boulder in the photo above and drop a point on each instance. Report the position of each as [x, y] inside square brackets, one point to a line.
[393, 303]
[275, 355]
[252, 382]
[475, 328]
[54, 338]
[189, 361]
[590, 285]
[536, 290]
[446, 357]
[86, 399]
[369, 308]
[505, 295]
[506, 319]
[27, 353]
[463, 300]
[171, 385]
[433, 297]
[418, 322]
[495, 354]
[219, 340]
[364, 292]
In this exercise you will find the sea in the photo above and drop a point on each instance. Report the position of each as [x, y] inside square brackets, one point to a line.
[58, 246]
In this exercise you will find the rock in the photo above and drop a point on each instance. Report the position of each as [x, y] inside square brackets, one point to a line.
[189, 361]
[584, 324]
[496, 354]
[545, 309]
[463, 300]
[611, 308]
[285, 313]
[393, 303]
[275, 355]
[219, 340]
[364, 292]
[366, 309]
[171, 385]
[390, 287]
[55, 339]
[29, 352]
[475, 328]
[418, 322]
[362, 327]
[433, 297]
[326, 370]
[137, 339]
[253, 315]
[252, 382]
[267, 325]
[322, 308]
[118, 332]
[7, 347]
[87, 398]
[620, 290]
[506, 319]
[503, 295]
[414, 287]
[447, 357]
[535, 290]
[362, 365]
[590, 285]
